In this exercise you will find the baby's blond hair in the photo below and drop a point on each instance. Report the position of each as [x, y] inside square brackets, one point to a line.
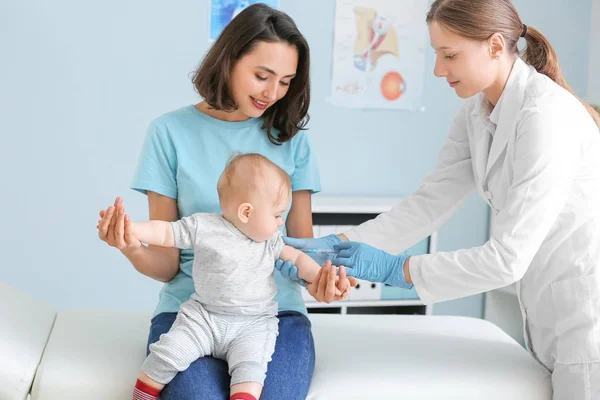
[248, 176]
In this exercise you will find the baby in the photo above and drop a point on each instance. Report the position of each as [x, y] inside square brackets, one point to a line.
[232, 314]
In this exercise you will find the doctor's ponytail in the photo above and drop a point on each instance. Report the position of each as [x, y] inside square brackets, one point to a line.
[540, 54]
[479, 19]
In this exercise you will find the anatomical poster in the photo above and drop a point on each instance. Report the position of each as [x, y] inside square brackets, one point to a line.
[379, 53]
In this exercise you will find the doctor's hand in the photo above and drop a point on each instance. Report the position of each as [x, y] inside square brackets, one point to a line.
[325, 242]
[366, 262]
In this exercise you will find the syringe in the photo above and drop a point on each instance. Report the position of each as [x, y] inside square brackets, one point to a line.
[319, 251]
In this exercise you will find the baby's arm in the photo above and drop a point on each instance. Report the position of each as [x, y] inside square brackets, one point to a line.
[157, 233]
[307, 267]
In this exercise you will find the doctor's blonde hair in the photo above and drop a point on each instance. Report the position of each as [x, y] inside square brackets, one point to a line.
[480, 19]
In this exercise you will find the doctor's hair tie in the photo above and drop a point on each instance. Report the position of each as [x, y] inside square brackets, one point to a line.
[524, 31]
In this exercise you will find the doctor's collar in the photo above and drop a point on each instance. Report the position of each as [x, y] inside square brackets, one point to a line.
[495, 114]
[518, 67]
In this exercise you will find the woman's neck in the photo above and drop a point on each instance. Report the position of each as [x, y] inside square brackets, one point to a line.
[494, 91]
[229, 116]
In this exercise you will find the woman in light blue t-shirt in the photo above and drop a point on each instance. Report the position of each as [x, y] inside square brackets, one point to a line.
[256, 90]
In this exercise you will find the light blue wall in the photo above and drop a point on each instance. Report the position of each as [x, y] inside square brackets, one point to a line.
[593, 93]
[79, 81]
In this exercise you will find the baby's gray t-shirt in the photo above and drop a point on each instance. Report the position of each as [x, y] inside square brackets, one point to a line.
[232, 273]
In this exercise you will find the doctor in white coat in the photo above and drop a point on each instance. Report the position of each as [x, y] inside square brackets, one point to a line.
[531, 149]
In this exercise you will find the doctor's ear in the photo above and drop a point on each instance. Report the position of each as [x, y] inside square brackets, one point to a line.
[244, 212]
[496, 45]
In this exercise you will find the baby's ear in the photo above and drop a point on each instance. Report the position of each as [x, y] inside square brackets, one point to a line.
[244, 212]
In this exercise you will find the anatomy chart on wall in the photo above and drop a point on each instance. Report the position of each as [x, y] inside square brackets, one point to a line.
[223, 11]
[379, 53]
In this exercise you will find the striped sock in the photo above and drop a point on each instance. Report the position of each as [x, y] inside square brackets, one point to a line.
[242, 396]
[143, 391]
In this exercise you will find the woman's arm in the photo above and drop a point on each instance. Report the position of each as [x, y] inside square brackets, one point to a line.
[299, 221]
[160, 263]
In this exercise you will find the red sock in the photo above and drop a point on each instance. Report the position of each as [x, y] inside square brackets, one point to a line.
[143, 391]
[242, 396]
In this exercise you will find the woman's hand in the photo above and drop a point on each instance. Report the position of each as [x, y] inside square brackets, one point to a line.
[115, 228]
[323, 289]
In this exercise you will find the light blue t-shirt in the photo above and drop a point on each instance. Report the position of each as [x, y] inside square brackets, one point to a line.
[183, 156]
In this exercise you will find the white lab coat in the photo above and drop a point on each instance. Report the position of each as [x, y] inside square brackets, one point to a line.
[536, 161]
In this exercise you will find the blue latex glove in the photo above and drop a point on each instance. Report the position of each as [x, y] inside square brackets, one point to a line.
[366, 262]
[325, 242]
[290, 271]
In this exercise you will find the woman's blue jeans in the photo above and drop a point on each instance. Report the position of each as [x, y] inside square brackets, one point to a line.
[288, 376]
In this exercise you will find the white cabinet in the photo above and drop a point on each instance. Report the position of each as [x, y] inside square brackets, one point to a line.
[337, 215]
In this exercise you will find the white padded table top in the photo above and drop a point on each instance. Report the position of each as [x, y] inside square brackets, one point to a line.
[92, 354]
[421, 357]
[25, 325]
[97, 355]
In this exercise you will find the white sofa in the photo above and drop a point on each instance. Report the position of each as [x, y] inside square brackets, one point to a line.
[85, 354]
